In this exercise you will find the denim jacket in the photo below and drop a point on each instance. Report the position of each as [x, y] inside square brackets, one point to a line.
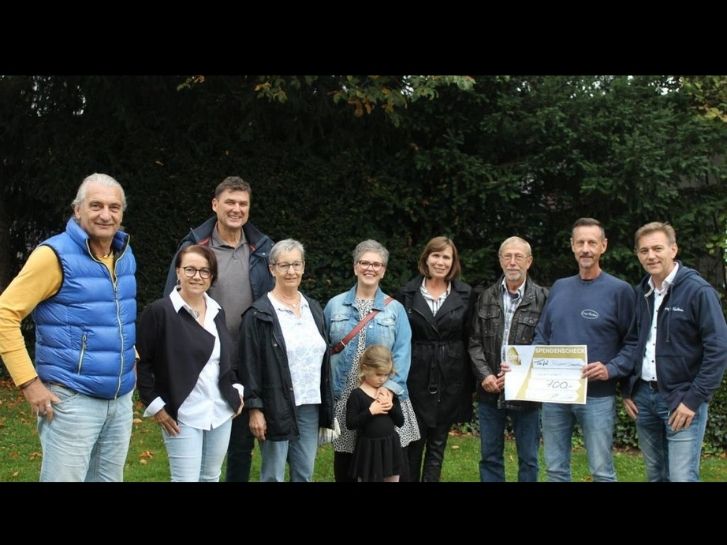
[390, 328]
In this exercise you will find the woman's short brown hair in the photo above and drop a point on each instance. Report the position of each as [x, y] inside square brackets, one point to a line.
[205, 252]
[437, 244]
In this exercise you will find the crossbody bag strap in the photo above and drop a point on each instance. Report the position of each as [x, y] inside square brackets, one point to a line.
[340, 345]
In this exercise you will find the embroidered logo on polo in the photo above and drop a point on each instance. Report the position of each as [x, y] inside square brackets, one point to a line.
[589, 314]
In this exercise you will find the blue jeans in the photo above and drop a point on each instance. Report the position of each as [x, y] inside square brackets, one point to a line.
[526, 426]
[88, 438]
[668, 455]
[597, 419]
[300, 453]
[196, 455]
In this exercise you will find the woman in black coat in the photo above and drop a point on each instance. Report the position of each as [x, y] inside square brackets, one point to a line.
[440, 379]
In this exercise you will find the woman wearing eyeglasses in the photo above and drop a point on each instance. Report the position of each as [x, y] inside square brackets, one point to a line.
[358, 318]
[185, 376]
[285, 367]
[440, 380]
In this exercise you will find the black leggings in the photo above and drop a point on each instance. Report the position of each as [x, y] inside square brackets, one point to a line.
[435, 441]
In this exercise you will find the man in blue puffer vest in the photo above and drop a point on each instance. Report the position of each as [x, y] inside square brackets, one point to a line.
[81, 289]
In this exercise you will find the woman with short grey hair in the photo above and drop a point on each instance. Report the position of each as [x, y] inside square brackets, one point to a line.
[285, 368]
[387, 325]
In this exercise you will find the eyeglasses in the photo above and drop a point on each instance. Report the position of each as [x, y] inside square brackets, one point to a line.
[204, 274]
[297, 266]
[375, 265]
[520, 258]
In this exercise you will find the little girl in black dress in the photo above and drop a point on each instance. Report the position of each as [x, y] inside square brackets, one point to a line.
[373, 412]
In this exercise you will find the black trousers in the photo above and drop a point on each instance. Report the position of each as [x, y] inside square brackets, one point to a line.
[431, 448]
[239, 452]
[342, 465]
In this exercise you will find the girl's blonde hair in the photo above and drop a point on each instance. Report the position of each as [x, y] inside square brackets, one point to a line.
[375, 358]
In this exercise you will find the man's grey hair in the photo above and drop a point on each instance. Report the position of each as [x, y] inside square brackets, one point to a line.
[100, 179]
[287, 245]
[512, 240]
[370, 246]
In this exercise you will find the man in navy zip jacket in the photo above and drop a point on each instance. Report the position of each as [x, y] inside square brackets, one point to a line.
[674, 357]
[243, 277]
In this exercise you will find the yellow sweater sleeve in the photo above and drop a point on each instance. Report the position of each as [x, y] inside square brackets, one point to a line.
[37, 281]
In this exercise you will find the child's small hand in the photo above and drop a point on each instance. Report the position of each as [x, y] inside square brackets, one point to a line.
[385, 397]
[377, 408]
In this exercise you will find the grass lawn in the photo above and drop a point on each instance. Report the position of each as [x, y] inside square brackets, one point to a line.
[147, 459]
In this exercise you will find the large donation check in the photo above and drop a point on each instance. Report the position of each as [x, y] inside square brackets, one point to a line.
[549, 373]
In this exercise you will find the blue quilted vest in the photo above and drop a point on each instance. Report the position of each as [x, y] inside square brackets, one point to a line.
[85, 334]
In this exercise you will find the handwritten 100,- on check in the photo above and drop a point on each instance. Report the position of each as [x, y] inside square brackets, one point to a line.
[548, 373]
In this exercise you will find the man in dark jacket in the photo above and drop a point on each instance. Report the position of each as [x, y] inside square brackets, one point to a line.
[506, 313]
[243, 276]
[674, 358]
